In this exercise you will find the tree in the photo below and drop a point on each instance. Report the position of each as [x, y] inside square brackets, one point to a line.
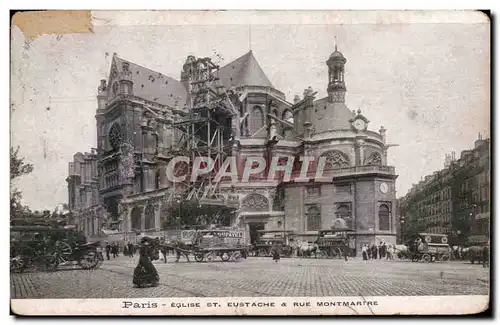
[18, 168]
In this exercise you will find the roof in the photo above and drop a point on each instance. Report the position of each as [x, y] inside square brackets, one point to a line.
[244, 71]
[337, 54]
[154, 86]
[336, 117]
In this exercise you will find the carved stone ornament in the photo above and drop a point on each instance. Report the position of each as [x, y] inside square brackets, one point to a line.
[127, 162]
[125, 69]
[255, 202]
[336, 159]
[373, 160]
[114, 73]
[152, 123]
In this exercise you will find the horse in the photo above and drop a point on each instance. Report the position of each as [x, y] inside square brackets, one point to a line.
[180, 249]
[401, 251]
[307, 250]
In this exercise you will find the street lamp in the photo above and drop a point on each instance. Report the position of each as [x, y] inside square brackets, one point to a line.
[402, 222]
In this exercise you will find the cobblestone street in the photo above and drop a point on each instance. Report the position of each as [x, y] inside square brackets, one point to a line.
[259, 277]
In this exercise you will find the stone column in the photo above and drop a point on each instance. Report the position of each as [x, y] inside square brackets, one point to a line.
[158, 215]
[360, 143]
[145, 178]
[247, 232]
[143, 219]
[303, 219]
[163, 176]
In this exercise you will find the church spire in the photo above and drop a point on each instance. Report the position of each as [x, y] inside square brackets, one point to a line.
[336, 85]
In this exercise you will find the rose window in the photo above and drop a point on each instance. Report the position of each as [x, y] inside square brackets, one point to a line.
[115, 136]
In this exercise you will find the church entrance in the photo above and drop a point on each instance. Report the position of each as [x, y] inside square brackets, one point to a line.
[254, 227]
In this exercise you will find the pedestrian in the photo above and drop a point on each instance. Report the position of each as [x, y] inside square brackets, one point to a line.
[108, 250]
[114, 249]
[145, 274]
[100, 250]
[374, 252]
[390, 252]
[486, 254]
[130, 249]
[364, 251]
[275, 253]
[369, 252]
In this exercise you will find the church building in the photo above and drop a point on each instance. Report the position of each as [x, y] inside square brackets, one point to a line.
[140, 117]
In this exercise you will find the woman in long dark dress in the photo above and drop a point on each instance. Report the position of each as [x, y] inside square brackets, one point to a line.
[275, 252]
[145, 274]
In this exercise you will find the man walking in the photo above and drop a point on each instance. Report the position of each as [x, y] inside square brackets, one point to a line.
[364, 251]
[114, 250]
[130, 249]
[486, 254]
[108, 250]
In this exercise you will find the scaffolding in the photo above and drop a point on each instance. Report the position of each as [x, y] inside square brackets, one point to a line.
[205, 131]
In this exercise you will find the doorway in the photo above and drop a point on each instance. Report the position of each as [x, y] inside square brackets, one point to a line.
[254, 227]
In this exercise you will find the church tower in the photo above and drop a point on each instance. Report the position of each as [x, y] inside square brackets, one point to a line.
[336, 85]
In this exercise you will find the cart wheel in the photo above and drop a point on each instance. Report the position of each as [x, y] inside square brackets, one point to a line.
[210, 256]
[89, 260]
[51, 263]
[63, 250]
[236, 256]
[16, 264]
[199, 257]
[225, 256]
[445, 258]
[426, 258]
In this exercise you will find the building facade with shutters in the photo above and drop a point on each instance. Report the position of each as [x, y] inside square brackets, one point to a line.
[453, 201]
[137, 108]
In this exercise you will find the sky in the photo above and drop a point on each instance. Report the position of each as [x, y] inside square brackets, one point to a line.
[427, 83]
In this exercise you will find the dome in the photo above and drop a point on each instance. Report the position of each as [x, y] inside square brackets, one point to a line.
[337, 54]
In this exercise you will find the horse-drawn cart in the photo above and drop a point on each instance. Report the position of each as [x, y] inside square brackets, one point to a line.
[208, 244]
[224, 243]
[333, 243]
[429, 247]
[273, 238]
[45, 248]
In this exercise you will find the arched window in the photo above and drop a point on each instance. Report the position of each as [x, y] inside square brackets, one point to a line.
[256, 119]
[135, 217]
[150, 217]
[383, 217]
[313, 219]
[336, 159]
[287, 116]
[344, 212]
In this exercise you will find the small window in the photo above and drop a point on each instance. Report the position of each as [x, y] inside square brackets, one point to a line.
[313, 191]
